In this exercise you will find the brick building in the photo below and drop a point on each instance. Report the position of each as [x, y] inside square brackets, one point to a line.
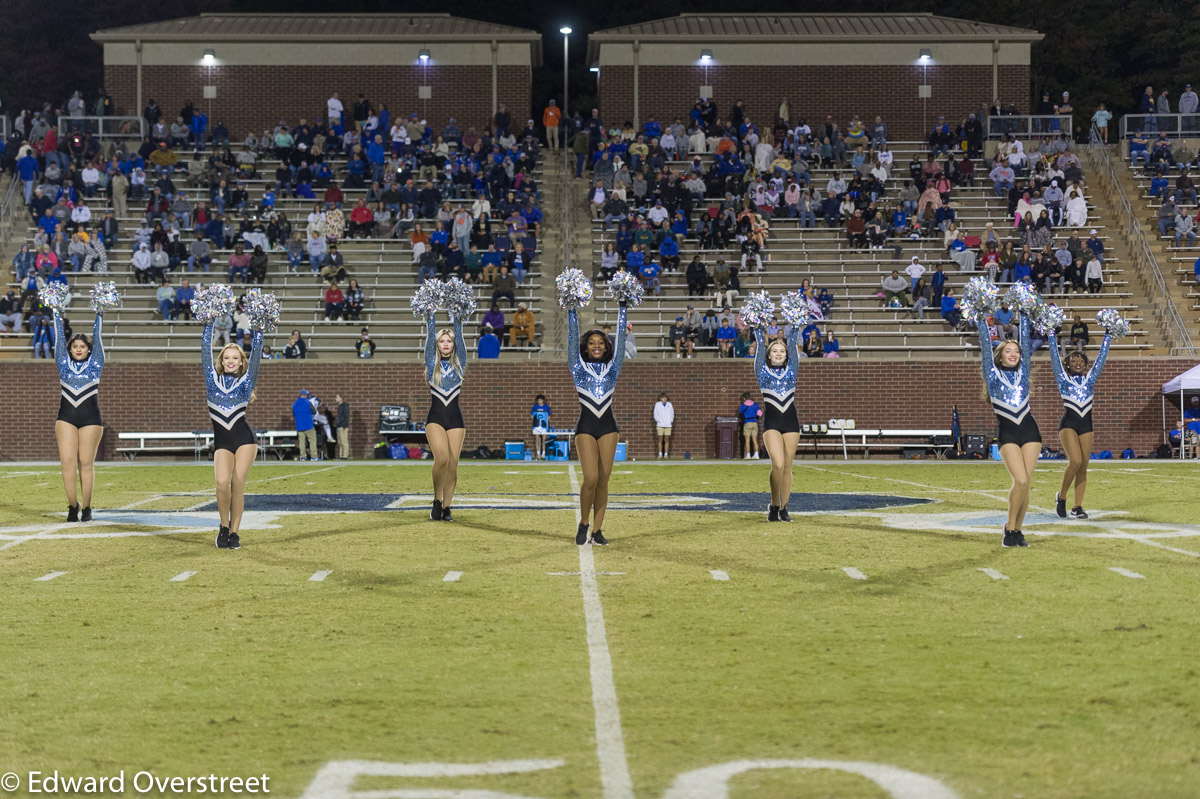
[261, 67]
[844, 65]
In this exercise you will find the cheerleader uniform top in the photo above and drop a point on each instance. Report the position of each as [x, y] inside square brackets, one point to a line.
[1008, 389]
[1077, 391]
[777, 383]
[228, 395]
[595, 382]
[80, 380]
[443, 403]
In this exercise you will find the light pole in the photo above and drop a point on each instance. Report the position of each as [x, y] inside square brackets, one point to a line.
[566, 32]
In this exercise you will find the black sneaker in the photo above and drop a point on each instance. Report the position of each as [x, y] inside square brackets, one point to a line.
[446, 517]
[86, 514]
[72, 513]
[772, 513]
[784, 516]
[436, 513]
[234, 541]
[581, 535]
[223, 538]
[1021, 542]
[598, 538]
[1078, 512]
[1060, 506]
[1012, 538]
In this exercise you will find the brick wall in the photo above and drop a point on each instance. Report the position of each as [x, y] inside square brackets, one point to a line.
[813, 92]
[497, 397]
[255, 97]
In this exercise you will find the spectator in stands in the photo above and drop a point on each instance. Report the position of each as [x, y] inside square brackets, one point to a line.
[1166, 216]
[333, 267]
[364, 347]
[316, 251]
[697, 277]
[488, 346]
[895, 289]
[239, 264]
[199, 253]
[961, 254]
[141, 264]
[518, 262]
[43, 339]
[1079, 334]
[523, 326]
[1184, 226]
[856, 231]
[11, 317]
[1003, 178]
[335, 302]
[915, 271]
[950, 310]
[679, 338]
[24, 262]
[726, 335]
[647, 273]
[505, 285]
[1185, 188]
[183, 300]
[609, 261]
[295, 347]
[921, 296]
[165, 297]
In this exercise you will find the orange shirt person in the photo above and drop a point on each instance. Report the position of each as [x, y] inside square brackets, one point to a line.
[550, 119]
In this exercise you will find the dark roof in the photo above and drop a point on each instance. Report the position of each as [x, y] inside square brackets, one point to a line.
[818, 26]
[308, 26]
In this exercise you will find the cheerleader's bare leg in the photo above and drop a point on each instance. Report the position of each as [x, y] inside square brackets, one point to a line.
[67, 436]
[89, 444]
[243, 460]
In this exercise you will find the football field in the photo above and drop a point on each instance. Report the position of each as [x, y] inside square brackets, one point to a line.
[881, 645]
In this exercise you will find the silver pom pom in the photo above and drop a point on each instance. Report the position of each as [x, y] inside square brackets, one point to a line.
[105, 296]
[1110, 319]
[758, 310]
[1023, 297]
[1049, 318]
[213, 302]
[624, 287]
[54, 296]
[459, 299]
[980, 298]
[263, 310]
[574, 289]
[427, 299]
[793, 307]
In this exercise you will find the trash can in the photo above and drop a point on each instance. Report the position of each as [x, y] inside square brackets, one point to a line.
[727, 437]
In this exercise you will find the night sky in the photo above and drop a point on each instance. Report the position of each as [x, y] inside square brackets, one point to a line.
[1099, 50]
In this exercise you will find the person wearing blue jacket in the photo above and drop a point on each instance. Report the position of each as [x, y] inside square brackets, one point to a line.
[27, 173]
[305, 430]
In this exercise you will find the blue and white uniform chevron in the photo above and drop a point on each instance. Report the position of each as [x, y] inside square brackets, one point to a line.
[595, 383]
[80, 380]
[451, 378]
[777, 383]
[1078, 391]
[228, 395]
[1008, 389]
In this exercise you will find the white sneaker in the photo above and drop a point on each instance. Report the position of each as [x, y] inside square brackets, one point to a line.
[677, 356]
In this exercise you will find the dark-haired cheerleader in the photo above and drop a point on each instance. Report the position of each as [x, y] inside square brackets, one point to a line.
[595, 362]
[78, 429]
[775, 369]
[1006, 382]
[445, 365]
[1077, 387]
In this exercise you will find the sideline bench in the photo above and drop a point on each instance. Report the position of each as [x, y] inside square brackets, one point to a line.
[890, 440]
[199, 442]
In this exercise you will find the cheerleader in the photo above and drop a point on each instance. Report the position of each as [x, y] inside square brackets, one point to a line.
[78, 428]
[595, 362]
[445, 364]
[230, 389]
[1006, 384]
[775, 368]
[1077, 387]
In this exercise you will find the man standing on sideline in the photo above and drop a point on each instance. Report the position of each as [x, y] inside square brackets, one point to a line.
[343, 428]
[550, 119]
[664, 420]
[302, 412]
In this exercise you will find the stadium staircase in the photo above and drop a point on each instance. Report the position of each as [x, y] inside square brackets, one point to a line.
[864, 328]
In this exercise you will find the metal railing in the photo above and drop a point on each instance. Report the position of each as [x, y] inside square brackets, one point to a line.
[1141, 248]
[4, 127]
[133, 128]
[7, 201]
[1029, 125]
[1153, 124]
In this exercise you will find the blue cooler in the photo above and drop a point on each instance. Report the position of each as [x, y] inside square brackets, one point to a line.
[556, 450]
[514, 450]
[620, 451]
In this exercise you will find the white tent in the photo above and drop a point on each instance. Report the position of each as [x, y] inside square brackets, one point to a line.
[1188, 381]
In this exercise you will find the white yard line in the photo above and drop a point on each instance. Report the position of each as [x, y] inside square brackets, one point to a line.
[610, 740]
[298, 474]
[45, 578]
[183, 577]
[1153, 543]
[1127, 573]
[995, 575]
[319, 577]
[853, 573]
[719, 575]
[452, 577]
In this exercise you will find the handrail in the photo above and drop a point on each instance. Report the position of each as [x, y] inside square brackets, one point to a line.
[1152, 124]
[7, 201]
[1028, 125]
[132, 128]
[1134, 225]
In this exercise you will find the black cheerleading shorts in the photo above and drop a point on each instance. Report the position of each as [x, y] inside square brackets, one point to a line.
[234, 438]
[784, 421]
[1073, 421]
[590, 424]
[1021, 434]
[448, 416]
[84, 414]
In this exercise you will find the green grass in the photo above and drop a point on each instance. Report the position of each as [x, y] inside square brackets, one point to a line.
[1066, 680]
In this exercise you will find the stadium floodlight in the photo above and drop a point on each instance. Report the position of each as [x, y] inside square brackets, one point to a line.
[595, 69]
[210, 56]
[424, 56]
[926, 54]
[706, 56]
[564, 30]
